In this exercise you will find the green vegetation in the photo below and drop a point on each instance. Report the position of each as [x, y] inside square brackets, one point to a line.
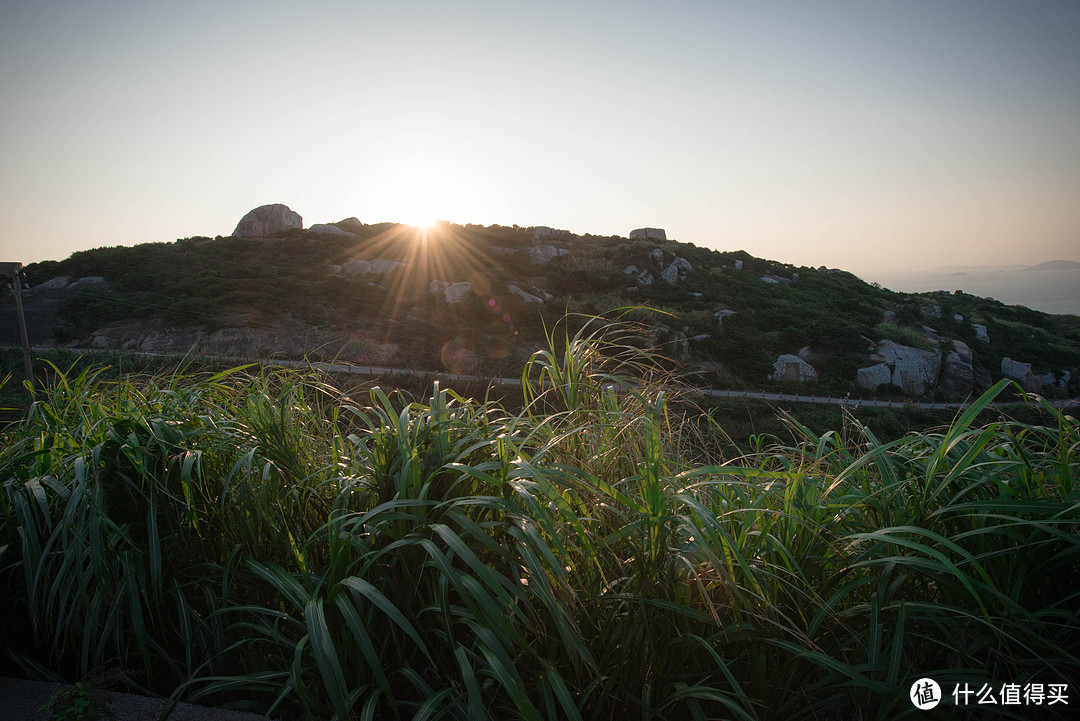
[284, 287]
[271, 542]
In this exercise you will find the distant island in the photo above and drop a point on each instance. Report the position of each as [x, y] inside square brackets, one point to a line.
[1056, 265]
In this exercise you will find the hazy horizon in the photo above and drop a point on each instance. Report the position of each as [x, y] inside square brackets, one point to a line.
[865, 136]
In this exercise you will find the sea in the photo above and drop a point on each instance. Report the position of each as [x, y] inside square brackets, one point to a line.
[1049, 290]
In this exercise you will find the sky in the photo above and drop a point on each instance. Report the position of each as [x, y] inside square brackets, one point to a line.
[863, 135]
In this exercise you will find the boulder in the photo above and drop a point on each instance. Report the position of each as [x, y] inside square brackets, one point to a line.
[721, 314]
[889, 318]
[438, 286]
[541, 254]
[327, 229]
[631, 270]
[524, 295]
[980, 333]
[1022, 373]
[457, 292]
[90, 281]
[267, 220]
[915, 371]
[873, 376]
[738, 265]
[983, 379]
[790, 367]
[57, 283]
[382, 267]
[656, 256]
[957, 371]
[360, 267]
[648, 234]
[958, 318]
[670, 274]
[645, 278]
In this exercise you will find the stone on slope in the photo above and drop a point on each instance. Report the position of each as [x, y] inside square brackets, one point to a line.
[873, 376]
[327, 229]
[790, 367]
[957, 371]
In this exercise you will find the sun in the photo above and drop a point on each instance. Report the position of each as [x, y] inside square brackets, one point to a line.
[419, 191]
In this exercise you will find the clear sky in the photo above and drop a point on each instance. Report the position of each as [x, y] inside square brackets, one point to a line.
[862, 135]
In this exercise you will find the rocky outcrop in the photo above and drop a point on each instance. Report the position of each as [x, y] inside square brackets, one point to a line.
[914, 371]
[327, 229]
[957, 371]
[525, 295]
[790, 367]
[452, 293]
[648, 234]
[677, 270]
[543, 231]
[361, 267]
[1022, 373]
[543, 254]
[980, 333]
[874, 376]
[776, 280]
[457, 292]
[267, 220]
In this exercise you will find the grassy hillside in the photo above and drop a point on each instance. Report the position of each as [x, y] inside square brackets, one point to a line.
[223, 283]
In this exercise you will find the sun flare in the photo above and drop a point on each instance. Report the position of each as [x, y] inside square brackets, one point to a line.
[422, 190]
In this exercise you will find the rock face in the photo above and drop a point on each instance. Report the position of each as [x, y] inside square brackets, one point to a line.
[914, 371]
[790, 367]
[1021, 372]
[451, 292]
[648, 234]
[525, 295]
[327, 229]
[957, 372]
[542, 254]
[873, 376]
[267, 220]
[359, 267]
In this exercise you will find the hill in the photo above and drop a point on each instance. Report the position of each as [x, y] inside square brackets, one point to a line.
[1056, 265]
[478, 299]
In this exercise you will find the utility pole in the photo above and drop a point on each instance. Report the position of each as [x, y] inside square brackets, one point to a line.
[14, 269]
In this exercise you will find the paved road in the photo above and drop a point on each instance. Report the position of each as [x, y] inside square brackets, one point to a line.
[370, 370]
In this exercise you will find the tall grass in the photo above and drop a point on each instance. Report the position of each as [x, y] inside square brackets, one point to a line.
[261, 539]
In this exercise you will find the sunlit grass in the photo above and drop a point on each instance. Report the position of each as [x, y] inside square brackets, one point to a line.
[262, 539]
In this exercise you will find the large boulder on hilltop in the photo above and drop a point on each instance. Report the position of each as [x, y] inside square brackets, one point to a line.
[648, 234]
[267, 220]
